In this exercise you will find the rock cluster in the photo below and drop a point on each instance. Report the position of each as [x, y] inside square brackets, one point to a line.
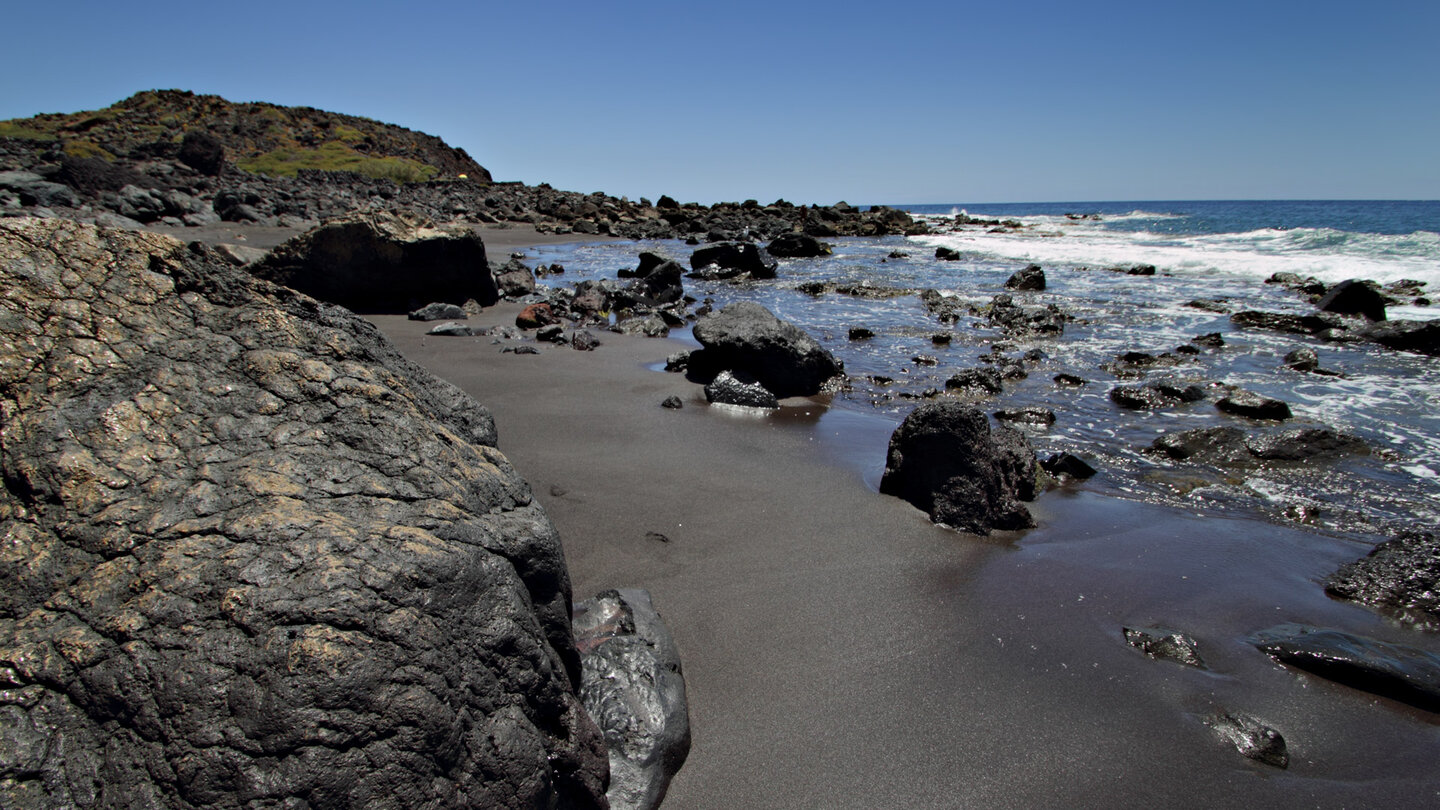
[254, 556]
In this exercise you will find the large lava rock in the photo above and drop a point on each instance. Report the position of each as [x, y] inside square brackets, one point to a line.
[724, 260]
[634, 687]
[945, 459]
[747, 337]
[255, 558]
[382, 262]
[1395, 671]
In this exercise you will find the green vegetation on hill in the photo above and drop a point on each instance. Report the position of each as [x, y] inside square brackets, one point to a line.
[256, 137]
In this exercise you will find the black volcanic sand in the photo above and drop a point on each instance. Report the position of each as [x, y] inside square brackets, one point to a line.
[840, 651]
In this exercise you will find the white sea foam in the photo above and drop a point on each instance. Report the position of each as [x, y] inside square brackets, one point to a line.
[1329, 255]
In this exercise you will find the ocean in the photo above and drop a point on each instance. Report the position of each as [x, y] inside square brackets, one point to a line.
[1217, 252]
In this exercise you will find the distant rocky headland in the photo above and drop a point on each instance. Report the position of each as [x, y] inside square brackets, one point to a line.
[178, 158]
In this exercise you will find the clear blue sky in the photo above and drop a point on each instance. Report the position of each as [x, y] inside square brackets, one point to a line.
[900, 102]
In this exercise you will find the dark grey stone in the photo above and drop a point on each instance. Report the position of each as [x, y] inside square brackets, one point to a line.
[1395, 671]
[1253, 406]
[732, 388]
[945, 460]
[439, 311]
[1354, 297]
[1031, 278]
[1168, 645]
[633, 685]
[747, 337]
[293, 570]
[1401, 576]
[1251, 737]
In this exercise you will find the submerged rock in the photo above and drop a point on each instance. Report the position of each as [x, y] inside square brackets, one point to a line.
[633, 685]
[945, 460]
[254, 554]
[1420, 337]
[748, 337]
[1254, 406]
[1400, 575]
[1394, 671]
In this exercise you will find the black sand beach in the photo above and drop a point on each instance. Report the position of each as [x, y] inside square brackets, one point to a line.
[841, 651]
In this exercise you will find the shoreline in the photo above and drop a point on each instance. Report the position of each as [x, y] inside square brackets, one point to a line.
[840, 650]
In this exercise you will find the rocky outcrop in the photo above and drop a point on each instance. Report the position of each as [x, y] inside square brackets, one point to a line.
[945, 459]
[382, 262]
[1354, 297]
[1401, 576]
[1231, 446]
[779, 355]
[633, 686]
[255, 558]
[1032, 278]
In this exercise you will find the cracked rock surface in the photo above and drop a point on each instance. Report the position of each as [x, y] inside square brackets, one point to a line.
[254, 558]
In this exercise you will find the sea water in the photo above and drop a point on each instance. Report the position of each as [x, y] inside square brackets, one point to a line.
[1222, 252]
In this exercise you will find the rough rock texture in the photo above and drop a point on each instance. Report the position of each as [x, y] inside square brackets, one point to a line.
[376, 261]
[729, 388]
[798, 246]
[254, 558]
[1401, 575]
[1395, 671]
[633, 685]
[1031, 277]
[732, 259]
[944, 459]
[1254, 406]
[1168, 645]
[1252, 738]
[748, 337]
[1354, 297]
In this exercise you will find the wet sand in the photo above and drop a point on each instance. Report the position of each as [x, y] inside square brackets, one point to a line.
[840, 651]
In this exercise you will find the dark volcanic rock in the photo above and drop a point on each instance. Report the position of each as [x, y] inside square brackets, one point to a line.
[1252, 738]
[1354, 298]
[1169, 645]
[514, 280]
[732, 259]
[1421, 337]
[383, 262]
[1254, 406]
[1031, 278]
[1395, 671]
[747, 337]
[1029, 416]
[1303, 444]
[798, 246]
[454, 329]
[1148, 397]
[1216, 444]
[946, 254]
[254, 554]
[1283, 322]
[439, 312]
[729, 388]
[945, 460]
[1068, 464]
[976, 380]
[1401, 575]
[1303, 359]
[632, 684]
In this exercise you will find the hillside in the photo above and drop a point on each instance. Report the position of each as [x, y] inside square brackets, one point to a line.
[256, 137]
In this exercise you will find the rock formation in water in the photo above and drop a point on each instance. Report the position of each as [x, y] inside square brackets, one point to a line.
[254, 558]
